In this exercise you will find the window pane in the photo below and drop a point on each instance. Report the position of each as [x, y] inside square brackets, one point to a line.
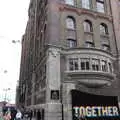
[73, 64]
[70, 2]
[82, 65]
[70, 24]
[85, 64]
[72, 43]
[110, 67]
[104, 66]
[103, 29]
[87, 26]
[86, 4]
[95, 64]
[100, 7]
[106, 47]
[89, 44]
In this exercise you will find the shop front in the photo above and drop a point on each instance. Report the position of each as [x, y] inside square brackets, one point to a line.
[87, 106]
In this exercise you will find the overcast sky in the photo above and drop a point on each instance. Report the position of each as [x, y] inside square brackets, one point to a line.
[13, 19]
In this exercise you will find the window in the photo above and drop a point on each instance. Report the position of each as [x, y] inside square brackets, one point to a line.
[71, 43]
[69, 2]
[100, 6]
[105, 47]
[87, 26]
[103, 29]
[86, 4]
[95, 64]
[110, 67]
[89, 44]
[70, 23]
[73, 64]
[104, 66]
[85, 64]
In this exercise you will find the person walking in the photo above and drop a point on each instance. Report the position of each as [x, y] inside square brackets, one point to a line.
[18, 115]
[7, 116]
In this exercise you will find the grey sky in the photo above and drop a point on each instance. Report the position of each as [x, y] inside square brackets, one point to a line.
[13, 19]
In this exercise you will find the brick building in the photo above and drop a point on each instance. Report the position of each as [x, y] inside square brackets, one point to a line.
[70, 58]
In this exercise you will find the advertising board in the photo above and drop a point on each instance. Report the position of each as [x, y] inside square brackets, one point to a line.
[87, 106]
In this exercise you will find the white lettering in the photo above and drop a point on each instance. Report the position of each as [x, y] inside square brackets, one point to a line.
[82, 111]
[94, 112]
[115, 111]
[88, 111]
[104, 111]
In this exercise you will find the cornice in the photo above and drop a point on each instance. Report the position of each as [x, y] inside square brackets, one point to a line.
[82, 11]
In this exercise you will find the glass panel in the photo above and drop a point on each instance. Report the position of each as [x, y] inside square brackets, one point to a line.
[104, 66]
[110, 67]
[70, 2]
[72, 43]
[82, 65]
[87, 26]
[103, 29]
[85, 64]
[106, 47]
[95, 64]
[86, 4]
[73, 64]
[89, 44]
[70, 24]
[100, 7]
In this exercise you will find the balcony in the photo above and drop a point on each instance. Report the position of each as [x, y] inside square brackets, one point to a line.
[90, 67]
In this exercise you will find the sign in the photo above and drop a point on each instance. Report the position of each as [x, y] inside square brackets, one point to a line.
[94, 107]
[55, 94]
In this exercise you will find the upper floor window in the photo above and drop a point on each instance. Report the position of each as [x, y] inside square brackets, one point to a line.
[87, 26]
[89, 64]
[95, 64]
[100, 6]
[104, 66]
[69, 2]
[86, 4]
[103, 29]
[105, 47]
[70, 23]
[71, 43]
[73, 64]
[89, 44]
[85, 64]
[110, 67]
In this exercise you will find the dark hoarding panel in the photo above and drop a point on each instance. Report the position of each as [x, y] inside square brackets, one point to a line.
[87, 106]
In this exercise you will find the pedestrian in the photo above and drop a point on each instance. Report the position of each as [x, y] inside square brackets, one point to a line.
[18, 115]
[13, 114]
[7, 116]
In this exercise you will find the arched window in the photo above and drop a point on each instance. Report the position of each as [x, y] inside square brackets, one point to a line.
[87, 26]
[69, 2]
[86, 4]
[70, 23]
[103, 29]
